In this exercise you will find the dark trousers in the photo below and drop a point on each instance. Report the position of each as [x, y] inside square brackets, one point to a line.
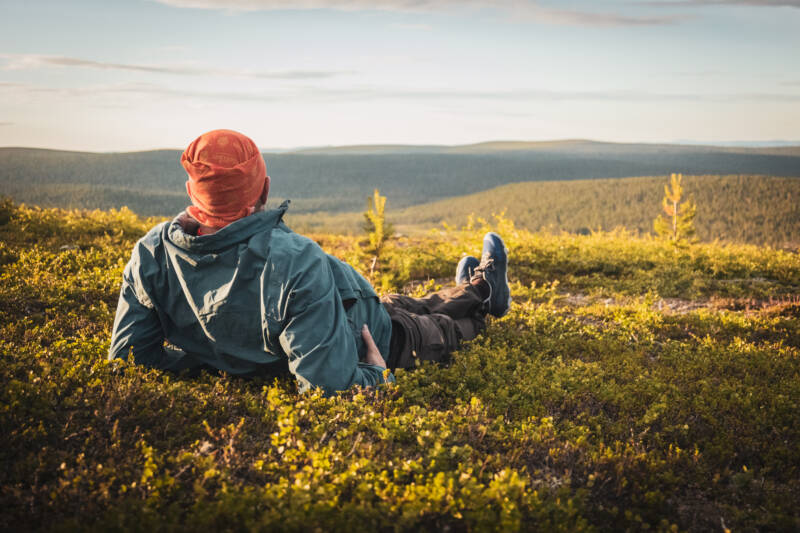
[432, 327]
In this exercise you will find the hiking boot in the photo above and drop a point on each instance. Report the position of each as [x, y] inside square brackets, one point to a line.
[465, 269]
[494, 269]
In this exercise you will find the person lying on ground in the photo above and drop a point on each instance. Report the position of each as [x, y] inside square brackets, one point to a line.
[227, 286]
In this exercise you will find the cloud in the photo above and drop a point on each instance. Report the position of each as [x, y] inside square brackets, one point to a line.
[699, 73]
[532, 95]
[32, 61]
[570, 17]
[415, 6]
[419, 27]
[527, 9]
[362, 94]
[749, 3]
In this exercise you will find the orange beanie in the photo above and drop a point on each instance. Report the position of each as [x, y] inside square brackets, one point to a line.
[227, 177]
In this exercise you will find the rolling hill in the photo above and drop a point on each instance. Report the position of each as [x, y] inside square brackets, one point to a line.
[734, 208]
[338, 179]
[577, 146]
[758, 209]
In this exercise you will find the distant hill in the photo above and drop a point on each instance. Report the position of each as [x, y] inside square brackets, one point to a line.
[577, 146]
[737, 208]
[338, 179]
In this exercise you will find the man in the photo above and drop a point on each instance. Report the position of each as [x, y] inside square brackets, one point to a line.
[230, 287]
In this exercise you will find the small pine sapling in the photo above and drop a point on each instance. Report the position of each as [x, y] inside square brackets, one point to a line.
[678, 224]
[378, 229]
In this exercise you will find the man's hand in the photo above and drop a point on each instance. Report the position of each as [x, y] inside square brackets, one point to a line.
[373, 354]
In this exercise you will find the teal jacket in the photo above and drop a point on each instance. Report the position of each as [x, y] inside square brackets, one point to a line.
[251, 298]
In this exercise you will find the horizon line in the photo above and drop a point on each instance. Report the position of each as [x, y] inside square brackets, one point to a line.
[772, 143]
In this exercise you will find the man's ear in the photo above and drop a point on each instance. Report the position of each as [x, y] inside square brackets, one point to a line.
[265, 192]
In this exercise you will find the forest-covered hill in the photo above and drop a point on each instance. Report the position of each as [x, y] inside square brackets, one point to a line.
[737, 208]
[633, 386]
[338, 179]
[755, 209]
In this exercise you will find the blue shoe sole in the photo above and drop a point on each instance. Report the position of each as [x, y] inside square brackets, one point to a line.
[500, 301]
[465, 269]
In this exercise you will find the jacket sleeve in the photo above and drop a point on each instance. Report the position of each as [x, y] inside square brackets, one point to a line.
[137, 329]
[317, 337]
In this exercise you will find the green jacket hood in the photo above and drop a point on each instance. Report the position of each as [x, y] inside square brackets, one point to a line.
[233, 233]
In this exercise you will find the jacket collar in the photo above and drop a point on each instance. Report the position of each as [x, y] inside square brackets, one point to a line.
[233, 233]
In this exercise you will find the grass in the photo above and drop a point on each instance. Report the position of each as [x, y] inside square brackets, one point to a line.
[633, 385]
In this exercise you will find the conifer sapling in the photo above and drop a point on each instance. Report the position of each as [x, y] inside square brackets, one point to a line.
[678, 224]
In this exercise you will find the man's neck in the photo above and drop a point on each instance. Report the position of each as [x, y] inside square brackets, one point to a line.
[203, 229]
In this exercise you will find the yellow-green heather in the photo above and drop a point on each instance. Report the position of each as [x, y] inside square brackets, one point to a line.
[633, 385]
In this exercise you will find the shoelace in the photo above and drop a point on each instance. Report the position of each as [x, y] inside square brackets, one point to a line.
[487, 264]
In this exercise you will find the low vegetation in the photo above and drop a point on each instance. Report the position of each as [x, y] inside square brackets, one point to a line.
[634, 385]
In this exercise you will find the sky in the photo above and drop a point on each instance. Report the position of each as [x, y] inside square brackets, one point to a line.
[122, 75]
